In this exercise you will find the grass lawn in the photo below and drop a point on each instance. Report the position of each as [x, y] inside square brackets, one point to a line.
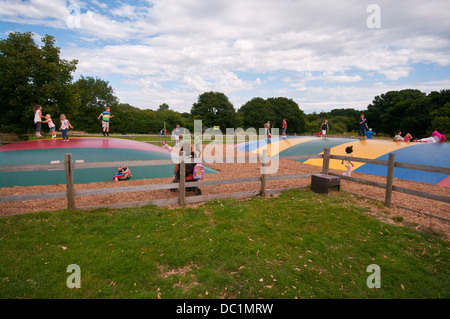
[297, 245]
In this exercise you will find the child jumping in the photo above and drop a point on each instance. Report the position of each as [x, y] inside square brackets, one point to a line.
[346, 162]
[51, 125]
[106, 115]
[37, 109]
[284, 128]
[65, 127]
[325, 128]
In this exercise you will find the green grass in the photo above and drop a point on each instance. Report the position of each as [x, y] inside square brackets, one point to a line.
[297, 245]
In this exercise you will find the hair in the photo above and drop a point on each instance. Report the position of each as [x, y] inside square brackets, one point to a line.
[48, 115]
[349, 149]
[398, 131]
[62, 115]
[439, 130]
[36, 107]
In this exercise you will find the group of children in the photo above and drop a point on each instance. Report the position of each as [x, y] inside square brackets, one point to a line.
[64, 127]
[65, 124]
[436, 137]
[124, 172]
[267, 129]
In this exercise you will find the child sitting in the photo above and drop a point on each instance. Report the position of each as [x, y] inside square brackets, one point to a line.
[166, 146]
[123, 173]
[398, 137]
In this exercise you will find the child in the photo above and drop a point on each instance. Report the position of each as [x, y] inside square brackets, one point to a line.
[325, 127]
[437, 137]
[123, 173]
[166, 146]
[284, 128]
[106, 115]
[37, 109]
[347, 163]
[398, 137]
[51, 125]
[370, 133]
[267, 129]
[65, 127]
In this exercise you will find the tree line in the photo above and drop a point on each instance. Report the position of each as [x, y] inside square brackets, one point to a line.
[32, 74]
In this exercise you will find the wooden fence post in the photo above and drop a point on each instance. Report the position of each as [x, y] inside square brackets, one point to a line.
[263, 173]
[326, 161]
[390, 180]
[70, 190]
[182, 188]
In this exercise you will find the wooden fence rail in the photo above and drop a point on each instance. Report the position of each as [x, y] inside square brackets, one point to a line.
[70, 166]
[390, 176]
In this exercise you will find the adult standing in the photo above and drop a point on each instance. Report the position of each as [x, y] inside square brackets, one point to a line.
[363, 127]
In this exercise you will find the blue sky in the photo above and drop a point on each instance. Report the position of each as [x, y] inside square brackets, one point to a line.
[322, 54]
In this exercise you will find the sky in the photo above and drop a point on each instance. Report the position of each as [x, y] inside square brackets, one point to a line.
[323, 54]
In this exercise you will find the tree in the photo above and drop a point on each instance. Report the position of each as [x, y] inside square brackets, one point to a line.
[407, 110]
[94, 95]
[31, 75]
[288, 109]
[258, 111]
[214, 109]
[255, 113]
[163, 107]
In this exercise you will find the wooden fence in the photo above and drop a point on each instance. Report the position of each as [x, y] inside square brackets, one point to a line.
[70, 167]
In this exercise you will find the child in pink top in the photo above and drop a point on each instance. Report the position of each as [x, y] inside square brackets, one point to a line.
[436, 137]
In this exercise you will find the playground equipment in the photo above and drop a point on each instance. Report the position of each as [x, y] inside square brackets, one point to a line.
[436, 154]
[83, 150]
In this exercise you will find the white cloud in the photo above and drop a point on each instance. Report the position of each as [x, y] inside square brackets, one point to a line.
[198, 46]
